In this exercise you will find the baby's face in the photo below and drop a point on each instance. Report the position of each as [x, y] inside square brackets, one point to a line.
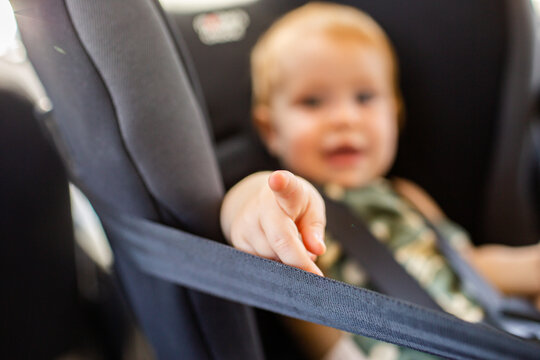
[333, 118]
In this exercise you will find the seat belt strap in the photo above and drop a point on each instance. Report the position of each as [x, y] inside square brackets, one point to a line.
[220, 270]
[384, 272]
[512, 314]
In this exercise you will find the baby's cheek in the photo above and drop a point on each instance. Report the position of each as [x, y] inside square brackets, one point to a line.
[387, 134]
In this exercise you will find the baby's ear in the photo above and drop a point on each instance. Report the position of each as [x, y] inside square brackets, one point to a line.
[263, 122]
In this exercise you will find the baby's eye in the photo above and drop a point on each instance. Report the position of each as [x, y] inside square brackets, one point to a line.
[311, 101]
[364, 97]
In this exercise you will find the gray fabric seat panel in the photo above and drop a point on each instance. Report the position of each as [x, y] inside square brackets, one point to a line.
[159, 119]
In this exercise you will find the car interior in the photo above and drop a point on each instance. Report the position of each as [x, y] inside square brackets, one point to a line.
[149, 118]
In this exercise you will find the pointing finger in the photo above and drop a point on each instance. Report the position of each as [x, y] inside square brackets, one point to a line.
[283, 239]
[311, 225]
[289, 192]
[303, 204]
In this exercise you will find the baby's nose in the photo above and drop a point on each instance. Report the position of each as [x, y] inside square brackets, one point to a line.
[346, 114]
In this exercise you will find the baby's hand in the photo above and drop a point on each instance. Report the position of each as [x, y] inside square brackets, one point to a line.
[278, 216]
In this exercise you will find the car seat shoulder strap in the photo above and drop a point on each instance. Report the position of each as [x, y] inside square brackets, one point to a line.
[383, 271]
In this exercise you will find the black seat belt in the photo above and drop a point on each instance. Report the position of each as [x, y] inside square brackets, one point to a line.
[223, 271]
[384, 272]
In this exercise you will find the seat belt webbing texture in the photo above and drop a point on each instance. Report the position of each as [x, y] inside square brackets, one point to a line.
[223, 271]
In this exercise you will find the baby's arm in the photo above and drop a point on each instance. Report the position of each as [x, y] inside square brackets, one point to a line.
[514, 270]
[266, 213]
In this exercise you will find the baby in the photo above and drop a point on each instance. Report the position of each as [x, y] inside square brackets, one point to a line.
[327, 105]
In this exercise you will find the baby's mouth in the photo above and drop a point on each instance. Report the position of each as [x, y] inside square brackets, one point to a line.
[345, 155]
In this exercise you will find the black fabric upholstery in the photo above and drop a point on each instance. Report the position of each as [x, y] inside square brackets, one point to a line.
[133, 139]
[463, 64]
[41, 312]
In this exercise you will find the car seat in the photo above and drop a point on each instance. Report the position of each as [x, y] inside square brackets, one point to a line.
[118, 104]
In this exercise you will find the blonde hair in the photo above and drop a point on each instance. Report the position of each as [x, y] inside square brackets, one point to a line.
[316, 18]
